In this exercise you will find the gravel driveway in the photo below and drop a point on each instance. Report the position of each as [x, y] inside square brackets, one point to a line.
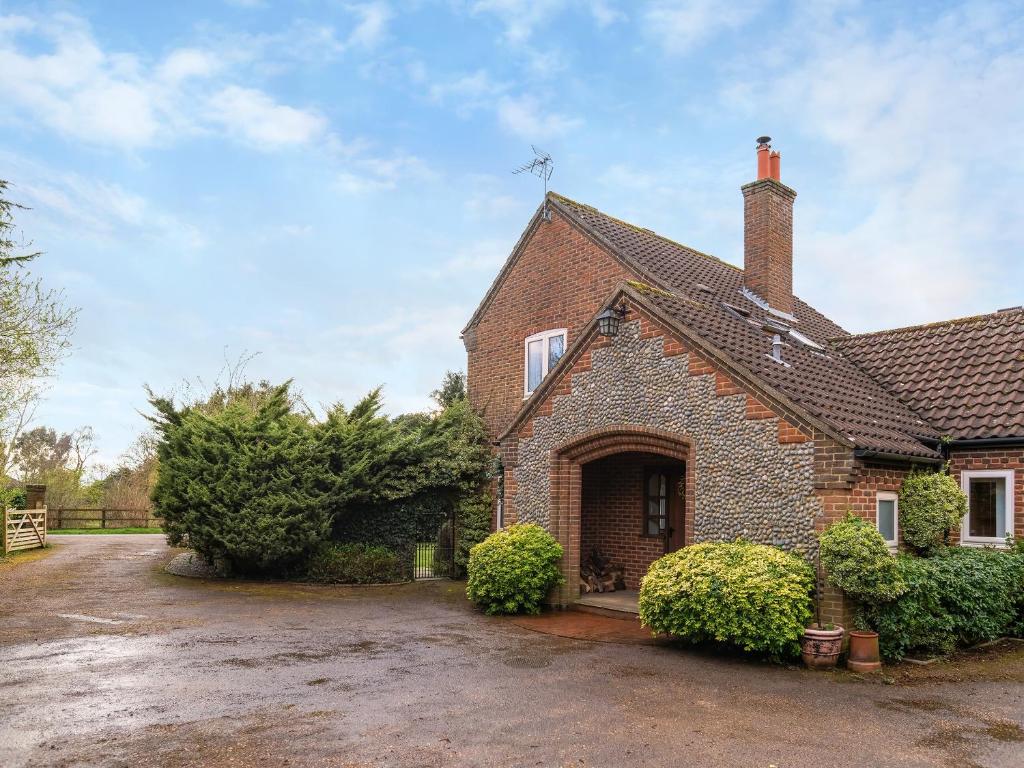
[106, 660]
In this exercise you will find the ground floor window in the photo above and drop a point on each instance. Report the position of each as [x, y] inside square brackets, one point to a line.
[887, 517]
[989, 506]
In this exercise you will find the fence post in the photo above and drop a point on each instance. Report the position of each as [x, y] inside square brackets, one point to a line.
[103, 518]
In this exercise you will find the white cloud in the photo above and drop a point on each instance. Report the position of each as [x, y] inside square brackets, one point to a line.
[681, 25]
[920, 122]
[525, 117]
[519, 17]
[368, 173]
[261, 121]
[186, 63]
[469, 93]
[605, 14]
[372, 26]
[53, 71]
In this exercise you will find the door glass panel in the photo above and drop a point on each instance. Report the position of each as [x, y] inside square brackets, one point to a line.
[556, 347]
[887, 519]
[535, 351]
[988, 508]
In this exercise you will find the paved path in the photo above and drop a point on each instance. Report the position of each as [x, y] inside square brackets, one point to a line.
[105, 660]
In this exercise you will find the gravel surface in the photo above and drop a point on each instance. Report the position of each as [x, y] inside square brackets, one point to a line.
[108, 660]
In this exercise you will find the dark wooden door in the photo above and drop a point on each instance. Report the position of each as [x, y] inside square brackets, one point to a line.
[676, 508]
[663, 505]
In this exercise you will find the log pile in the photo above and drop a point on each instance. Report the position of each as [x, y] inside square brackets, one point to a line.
[599, 574]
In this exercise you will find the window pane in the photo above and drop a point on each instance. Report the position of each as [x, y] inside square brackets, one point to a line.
[535, 351]
[556, 347]
[988, 508]
[652, 485]
[887, 519]
[652, 527]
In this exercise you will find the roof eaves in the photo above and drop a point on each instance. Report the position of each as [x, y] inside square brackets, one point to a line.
[723, 359]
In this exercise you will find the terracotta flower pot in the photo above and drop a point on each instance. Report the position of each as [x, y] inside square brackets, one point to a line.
[820, 648]
[863, 652]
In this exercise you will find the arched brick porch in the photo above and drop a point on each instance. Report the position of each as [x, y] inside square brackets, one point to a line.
[567, 485]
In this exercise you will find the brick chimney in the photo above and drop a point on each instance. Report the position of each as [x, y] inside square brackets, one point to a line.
[768, 231]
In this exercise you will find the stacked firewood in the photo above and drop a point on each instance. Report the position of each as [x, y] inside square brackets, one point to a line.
[599, 574]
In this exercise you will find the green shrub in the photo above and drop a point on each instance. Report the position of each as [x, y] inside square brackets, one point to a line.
[959, 597]
[238, 484]
[752, 596]
[512, 571]
[357, 564]
[931, 505]
[858, 562]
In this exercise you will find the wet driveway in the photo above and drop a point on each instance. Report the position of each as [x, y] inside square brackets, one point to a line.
[106, 660]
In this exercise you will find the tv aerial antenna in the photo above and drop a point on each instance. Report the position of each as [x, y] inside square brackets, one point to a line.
[541, 166]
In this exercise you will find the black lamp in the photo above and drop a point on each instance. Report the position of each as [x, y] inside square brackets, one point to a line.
[608, 322]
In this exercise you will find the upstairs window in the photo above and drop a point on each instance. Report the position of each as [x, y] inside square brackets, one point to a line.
[543, 351]
[989, 506]
[888, 517]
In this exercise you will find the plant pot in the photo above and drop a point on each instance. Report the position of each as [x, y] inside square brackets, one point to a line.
[863, 652]
[820, 648]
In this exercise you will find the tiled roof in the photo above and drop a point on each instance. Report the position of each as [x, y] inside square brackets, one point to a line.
[822, 383]
[966, 376]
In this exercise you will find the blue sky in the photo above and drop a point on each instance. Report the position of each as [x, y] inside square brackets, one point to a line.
[328, 183]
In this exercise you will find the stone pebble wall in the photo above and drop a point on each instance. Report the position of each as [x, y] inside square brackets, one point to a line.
[747, 483]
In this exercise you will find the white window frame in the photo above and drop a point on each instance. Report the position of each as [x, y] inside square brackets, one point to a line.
[546, 337]
[895, 498]
[965, 485]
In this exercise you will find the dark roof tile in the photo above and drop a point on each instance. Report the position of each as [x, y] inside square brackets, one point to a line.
[825, 384]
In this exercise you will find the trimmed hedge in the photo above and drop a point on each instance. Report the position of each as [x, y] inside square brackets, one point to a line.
[357, 564]
[958, 597]
[931, 505]
[748, 595]
[858, 562]
[512, 571]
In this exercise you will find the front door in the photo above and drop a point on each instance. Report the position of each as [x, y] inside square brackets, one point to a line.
[663, 505]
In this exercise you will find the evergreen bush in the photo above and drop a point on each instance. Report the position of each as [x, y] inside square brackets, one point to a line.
[357, 564]
[958, 597]
[239, 485]
[857, 561]
[931, 505]
[751, 596]
[512, 570]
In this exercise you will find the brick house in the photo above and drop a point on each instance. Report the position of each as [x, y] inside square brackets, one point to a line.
[643, 395]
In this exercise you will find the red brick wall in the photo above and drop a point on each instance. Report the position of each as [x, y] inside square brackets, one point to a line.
[612, 514]
[768, 242]
[1001, 458]
[559, 281]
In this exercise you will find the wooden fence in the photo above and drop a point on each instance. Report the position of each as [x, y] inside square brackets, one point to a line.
[94, 517]
[24, 529]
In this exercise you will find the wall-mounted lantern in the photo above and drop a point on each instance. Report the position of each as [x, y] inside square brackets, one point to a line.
[608, 322]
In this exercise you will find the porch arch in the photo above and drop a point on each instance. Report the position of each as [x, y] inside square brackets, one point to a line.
[566, 477]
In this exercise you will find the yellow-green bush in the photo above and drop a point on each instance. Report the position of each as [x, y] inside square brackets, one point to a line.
[751, 596]
[511, 571]
[931, 505]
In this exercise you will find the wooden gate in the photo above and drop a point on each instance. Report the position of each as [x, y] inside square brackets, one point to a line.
[24, 529]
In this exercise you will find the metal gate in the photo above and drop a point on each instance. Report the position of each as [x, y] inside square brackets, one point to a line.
[436, 559]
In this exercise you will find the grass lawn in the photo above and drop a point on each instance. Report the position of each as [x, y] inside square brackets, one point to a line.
[75, 531]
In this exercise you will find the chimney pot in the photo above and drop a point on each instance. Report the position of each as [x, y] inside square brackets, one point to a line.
[768, 232]
[763, 161]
